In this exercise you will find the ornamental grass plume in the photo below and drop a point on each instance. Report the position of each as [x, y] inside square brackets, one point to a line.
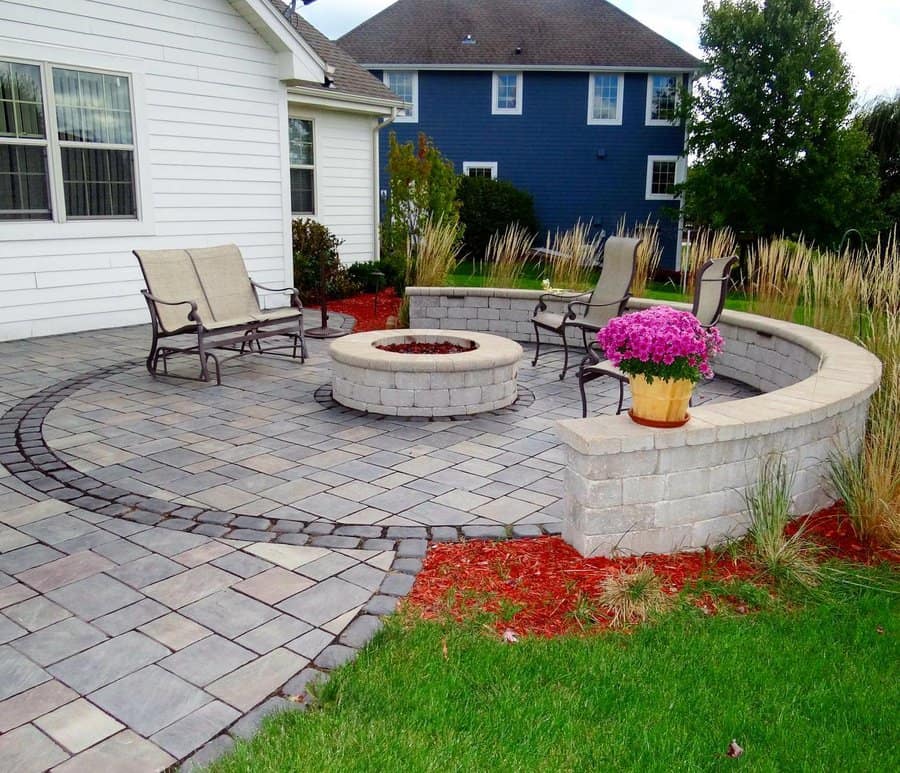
[661, 342]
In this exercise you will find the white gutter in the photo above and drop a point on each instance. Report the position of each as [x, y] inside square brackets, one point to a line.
[321, 95]
[376, 171]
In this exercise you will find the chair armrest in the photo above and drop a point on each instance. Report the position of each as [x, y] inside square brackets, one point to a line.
[582, 304]
[294, 292]
[192, 314]
[544, 297]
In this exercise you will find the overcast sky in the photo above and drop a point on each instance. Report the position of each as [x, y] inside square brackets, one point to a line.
[868, 30]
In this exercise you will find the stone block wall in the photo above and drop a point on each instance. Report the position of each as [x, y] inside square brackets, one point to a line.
[633, 489]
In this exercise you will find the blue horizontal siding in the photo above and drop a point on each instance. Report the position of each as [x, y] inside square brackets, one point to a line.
[550, 150]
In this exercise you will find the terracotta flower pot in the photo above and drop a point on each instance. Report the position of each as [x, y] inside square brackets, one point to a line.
[660, 404]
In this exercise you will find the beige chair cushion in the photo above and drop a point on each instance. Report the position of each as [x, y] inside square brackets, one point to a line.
[606, 368]
[274, 315]
[170, 276]
[226, 283]
[615, 279]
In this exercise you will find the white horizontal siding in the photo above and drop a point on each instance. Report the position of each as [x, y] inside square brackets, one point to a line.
[214, 112]
[212, 159]
[345, 195]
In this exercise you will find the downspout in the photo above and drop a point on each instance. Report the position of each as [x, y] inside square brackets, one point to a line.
[376, 172]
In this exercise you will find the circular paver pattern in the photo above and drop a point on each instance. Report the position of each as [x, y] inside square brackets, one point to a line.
[261, 459]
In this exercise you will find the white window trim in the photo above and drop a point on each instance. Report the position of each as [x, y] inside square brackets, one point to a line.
[679, 177]
[648, 121]
[620, 94]
[492, 165]
[495, 92]
[413, 116]
[143, 224]
[315, 175]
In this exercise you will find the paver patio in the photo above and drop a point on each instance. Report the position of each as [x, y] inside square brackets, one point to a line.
[176, 558]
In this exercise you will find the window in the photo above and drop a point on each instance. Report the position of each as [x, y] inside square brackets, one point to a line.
[663, 173]
[24, 181]
[506, 93]
[303, 183]
[405, 84]
[605, 99]
[87, 144]
[480, 169]
[662, 99]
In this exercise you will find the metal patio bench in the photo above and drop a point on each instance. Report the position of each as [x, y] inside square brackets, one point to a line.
[710, 290]
[590, 311]
[207, 293]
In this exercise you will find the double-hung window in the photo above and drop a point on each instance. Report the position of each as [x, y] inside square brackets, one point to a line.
[506, 93]
[303, 170]
[662, 99]
[24, 179]
[66, 144]
[405, 84]
[663, 174]
[605, 99]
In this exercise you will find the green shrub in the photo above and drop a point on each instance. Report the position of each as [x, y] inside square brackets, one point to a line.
[489, 206]
[315, 252]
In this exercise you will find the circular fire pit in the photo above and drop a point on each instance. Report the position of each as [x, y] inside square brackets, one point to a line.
[480, 378]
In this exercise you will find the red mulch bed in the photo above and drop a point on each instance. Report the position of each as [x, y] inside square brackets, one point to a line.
[437, 347]
[362, 307]
[537, 586]
[832, 529]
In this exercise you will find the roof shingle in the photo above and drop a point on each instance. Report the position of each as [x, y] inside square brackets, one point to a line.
[577, 33]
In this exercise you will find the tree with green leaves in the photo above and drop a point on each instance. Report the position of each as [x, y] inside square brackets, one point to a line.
[422, 187]
[881, 121]
[777, 152]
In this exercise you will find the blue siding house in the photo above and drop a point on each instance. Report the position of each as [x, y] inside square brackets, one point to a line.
[571, 100]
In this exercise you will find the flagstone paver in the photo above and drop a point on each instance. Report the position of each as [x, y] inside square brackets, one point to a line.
[175, 557]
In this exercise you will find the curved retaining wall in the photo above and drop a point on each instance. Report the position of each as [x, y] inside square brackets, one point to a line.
[633, 489]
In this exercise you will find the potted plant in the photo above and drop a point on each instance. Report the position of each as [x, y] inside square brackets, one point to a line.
[664, 352]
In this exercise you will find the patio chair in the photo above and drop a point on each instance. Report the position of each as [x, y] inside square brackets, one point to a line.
[207, 292]
[710, 290]
[590, 311]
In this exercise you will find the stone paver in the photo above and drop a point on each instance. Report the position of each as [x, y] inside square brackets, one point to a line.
[78, 725]
[175, 556]
[27, 750]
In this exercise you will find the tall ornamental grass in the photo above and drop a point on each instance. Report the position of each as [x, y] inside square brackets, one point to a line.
[868, 479]
[776, 276]
[648, 255]
[708, 244]
[573, 265]
[789, 559]
[507, 255]
[434, 254]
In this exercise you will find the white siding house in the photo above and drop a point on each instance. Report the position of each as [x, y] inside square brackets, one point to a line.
[128, 124]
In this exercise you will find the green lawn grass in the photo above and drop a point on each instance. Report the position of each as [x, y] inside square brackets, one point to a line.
[470, 274]
[816, 687]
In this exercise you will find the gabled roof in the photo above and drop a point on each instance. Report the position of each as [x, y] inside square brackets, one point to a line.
[557, 33]
[349, 78]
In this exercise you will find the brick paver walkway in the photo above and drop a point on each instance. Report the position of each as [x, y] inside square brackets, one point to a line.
[178, 559]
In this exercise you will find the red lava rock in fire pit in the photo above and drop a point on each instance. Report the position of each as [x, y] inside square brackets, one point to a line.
[436, 347]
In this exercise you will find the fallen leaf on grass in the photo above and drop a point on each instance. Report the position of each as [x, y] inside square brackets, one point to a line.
[444, 649]
[879, 629]
[734, 750]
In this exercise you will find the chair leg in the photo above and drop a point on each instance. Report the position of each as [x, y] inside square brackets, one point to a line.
[565, 355]
[583, 398]
[537, 350]
[152, 358]
[621, 395]
[201, 351]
